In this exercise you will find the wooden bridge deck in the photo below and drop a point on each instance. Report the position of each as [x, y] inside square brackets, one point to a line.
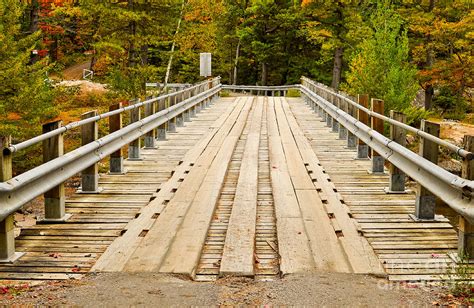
[252, 186]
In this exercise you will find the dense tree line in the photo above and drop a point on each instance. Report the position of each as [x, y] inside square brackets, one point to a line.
[389, 49]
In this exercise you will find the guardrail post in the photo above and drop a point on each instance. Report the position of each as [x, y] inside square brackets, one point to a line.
[90, 175]
[116, 158]
[342, 129]
[172, 122]
[151, 135]
[7, 226]
[377, 125]
[335, 123]
[187, 113]
[397, 134]
[134, 147]
[466, 229]
[425, 200]
[363, 117]
[351, 138]
[161, 130]
[54, 199]
[179, 117]
[328, 117]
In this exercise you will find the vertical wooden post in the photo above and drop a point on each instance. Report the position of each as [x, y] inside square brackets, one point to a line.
[351, 138]
[180, 117]
[466, 229]
[363, 117]
[172, 122]
[54, 199]
[342, 129]
[7, 226]
[328, 117]
[397, 134]
[150, 137]
[134, 146]
[90, 175]
[335, 123]
[161, 130]
[116, 158]
[377, 125]
[187, 113]
[425, 200]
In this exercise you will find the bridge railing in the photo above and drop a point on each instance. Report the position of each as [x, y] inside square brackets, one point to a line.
[160, 114]
[351, 120]
[261, 90]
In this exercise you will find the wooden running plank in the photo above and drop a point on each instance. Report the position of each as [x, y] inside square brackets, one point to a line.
[326, 248]
[152, 249]
[239, 246]
[293, 242]
[119, 252]
[185, 251]
[360, 254]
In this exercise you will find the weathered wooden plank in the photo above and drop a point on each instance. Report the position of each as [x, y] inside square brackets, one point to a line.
[239, 247]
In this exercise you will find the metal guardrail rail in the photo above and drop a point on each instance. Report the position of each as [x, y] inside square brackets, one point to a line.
[455, 191]
[452, 147]
[27, 143]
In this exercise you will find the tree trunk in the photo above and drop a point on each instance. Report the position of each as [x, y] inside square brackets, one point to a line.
[93, 60]
[264, 74]
[34, 16]
[170, 61]
[337, 68]
[131, 47]
[144, 54]
[429, 90]
[236, 62]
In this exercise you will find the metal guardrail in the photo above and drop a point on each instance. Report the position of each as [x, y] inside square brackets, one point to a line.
[23, 188]
[452, 147]
[455, 191]
[282, 90]
[27, 143]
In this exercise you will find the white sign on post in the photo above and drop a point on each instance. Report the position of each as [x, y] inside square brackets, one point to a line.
[205, 64]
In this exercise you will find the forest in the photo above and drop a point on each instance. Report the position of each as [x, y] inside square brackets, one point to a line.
[417, 55]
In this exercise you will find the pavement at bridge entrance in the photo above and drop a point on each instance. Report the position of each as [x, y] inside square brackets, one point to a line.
[146, 289]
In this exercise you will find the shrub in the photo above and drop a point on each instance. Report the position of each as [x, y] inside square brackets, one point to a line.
[293, 93]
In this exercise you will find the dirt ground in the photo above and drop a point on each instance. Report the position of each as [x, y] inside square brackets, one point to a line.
[147, 289]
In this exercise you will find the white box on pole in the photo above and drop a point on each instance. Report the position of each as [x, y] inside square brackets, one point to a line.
[205, 64]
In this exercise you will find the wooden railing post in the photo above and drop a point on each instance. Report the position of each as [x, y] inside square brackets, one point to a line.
[54, 199]
[351, 138]
[116, 158]
[90, 175]
[335, 123]
[328, 117]
[187, 113]
[466, 229]
[7, 226]
[150, 137]
[377, 125]
[342, 129]
[363, 117]
[172, 122]
[397, 134]
[161, 130]
[425, 200]
[179, 117]
[134, 147]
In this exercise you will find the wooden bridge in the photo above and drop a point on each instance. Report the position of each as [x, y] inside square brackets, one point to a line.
[259, 186]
